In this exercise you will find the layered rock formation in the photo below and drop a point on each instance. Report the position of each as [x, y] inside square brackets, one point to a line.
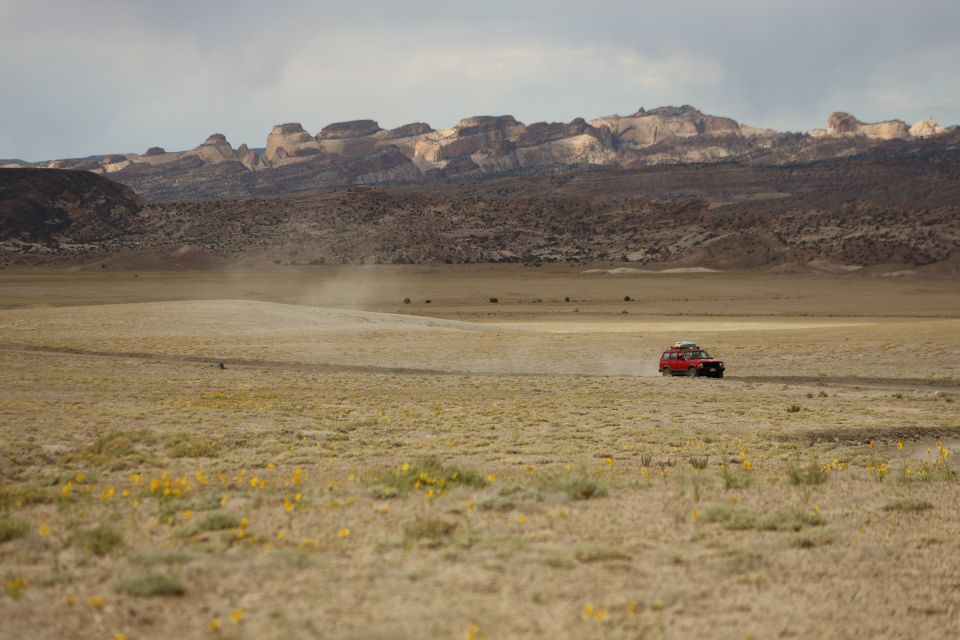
[841, 124]
[897, 205]
[362, 152]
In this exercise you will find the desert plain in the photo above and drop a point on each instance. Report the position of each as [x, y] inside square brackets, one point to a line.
[388, 453]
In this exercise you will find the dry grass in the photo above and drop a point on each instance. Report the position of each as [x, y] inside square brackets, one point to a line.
[378, 502]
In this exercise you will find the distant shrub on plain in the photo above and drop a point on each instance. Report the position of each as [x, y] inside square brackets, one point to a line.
[809, 474]
[151, 585]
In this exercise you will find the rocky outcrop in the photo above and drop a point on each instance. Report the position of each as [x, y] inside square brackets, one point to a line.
[351, 129]
[408, 131]
[645, 128]
[843, 124]
[289, 140]
[477, 136]
[214, 150]
[927, 128]
[296, 160]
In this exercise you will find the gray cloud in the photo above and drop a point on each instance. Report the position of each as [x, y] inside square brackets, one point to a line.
[112, 76]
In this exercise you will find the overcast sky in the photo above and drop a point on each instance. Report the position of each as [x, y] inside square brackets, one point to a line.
[82, 77]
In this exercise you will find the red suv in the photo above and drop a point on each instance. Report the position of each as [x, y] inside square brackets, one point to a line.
[687, 359]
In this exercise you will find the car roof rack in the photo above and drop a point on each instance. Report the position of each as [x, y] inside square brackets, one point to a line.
[685, 344]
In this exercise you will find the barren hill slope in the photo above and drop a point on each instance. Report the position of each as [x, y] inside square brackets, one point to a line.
[43, 209]
[903, 209]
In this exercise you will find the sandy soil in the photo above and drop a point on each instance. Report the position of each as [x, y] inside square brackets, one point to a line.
[825, 505]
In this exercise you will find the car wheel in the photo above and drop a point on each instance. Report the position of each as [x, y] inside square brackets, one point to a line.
[665, 371]
[692, 372]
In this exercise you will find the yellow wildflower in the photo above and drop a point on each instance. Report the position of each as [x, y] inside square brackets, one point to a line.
[214, 625]
[491, 478]
[107, 493]
[254, 481]
[223, 500]
[287, 505]
[695, 514]
[587, 612]
[67, 488]
[900, 443]
[71, 600]
[747, 465]
[271, 466]
[80, 478]
[297, 476]
[631, 608]
[600, 615]
[96, 601]
[119, 636]
[236, 616]
[608, 461]
[186, 514]
[44, 530]
[521, 519]
[344, 533]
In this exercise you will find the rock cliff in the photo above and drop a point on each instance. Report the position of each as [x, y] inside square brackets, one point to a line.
[361, 151]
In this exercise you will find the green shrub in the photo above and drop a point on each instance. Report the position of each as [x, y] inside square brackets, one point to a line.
[742, 519]
[734, 479]
[188, 445]
[497, 503]
[939, 471]
[810, 538]
[429, 530]
[601, 554]
[152, 584]
[217, 521]
[908, 504]
[11, 529]
[427, 471]
[101, 540]
[578, 487]
[810, 474]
